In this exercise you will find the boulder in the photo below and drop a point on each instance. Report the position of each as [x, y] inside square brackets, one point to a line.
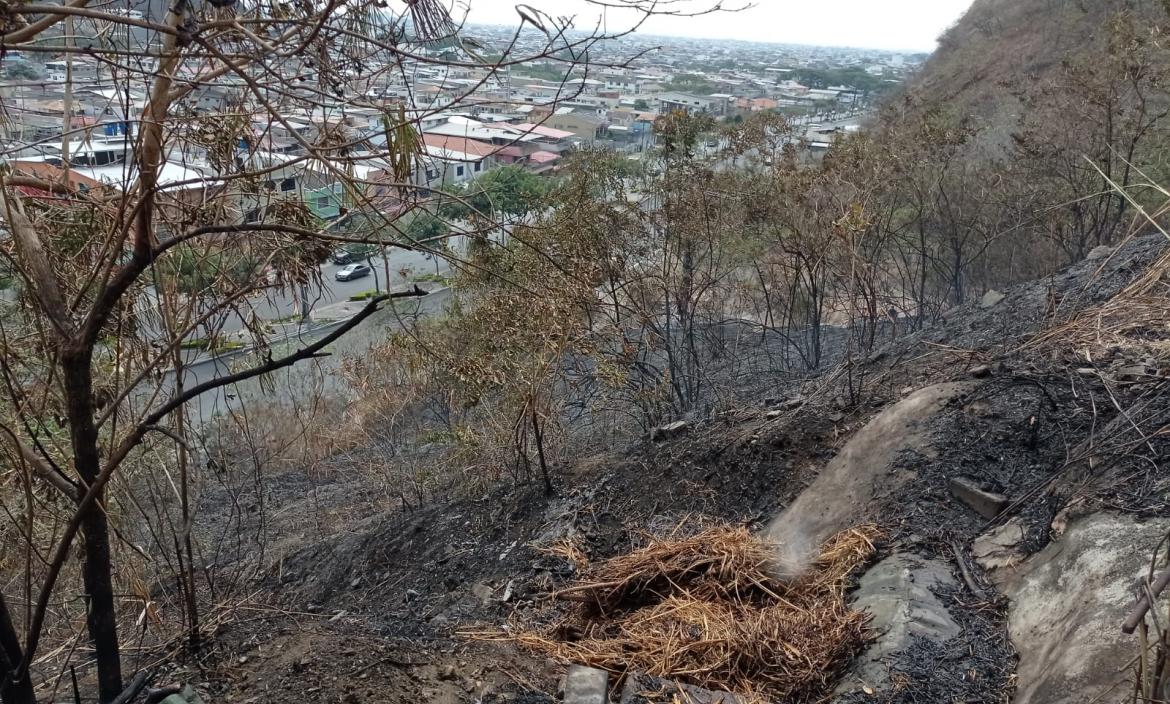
[980, 371]
[865, 469]
[1098, 253]
[898, 594]
[999, 547]
[669, 430]
[986, 503]
[586, 685]
[1068, 602]
[991, 299]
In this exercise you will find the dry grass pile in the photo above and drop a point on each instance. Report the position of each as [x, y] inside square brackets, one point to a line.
[707, 611]
[1137, 319]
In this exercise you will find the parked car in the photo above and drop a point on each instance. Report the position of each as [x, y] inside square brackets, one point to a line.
[342, 256]
[352, 271]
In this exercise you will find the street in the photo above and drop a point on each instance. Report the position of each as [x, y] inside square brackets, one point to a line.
[294, 384]
[285, 304]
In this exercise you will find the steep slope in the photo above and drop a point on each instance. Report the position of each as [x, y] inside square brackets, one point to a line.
[1032, 420]
[1003, 46]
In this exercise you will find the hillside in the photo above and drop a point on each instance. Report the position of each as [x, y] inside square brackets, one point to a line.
[1000, 47]
[313, 394]
[1015, 393]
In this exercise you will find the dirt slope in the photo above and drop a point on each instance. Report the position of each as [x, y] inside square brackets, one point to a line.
[1000, 46]
[373, 610]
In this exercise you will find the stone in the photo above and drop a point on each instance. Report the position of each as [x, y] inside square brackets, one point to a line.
[898, 594]
[1067, 604]
[187, 696]
[866, 468]
[794, 403]
[670, 430]
[986, 503]
[981, 371]
[586, 685]
[999, 547]
[991, 299]
[483, 592]
[1087, 371]
[639, 689]
[1098, 253]
[1132, 372]
[773, 414]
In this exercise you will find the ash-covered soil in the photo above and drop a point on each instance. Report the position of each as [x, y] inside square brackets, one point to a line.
[374, 609]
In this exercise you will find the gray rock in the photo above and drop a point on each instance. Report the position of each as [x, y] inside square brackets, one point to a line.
[1098, 253]
[483, 592]
[670, 430]
[586, 685]
[986, 503]
[999, 548]
[1067, 605]
[980, 371]
[638, 686]
[896, 592]
[991, 299]
[1132, 372]
[865, 469]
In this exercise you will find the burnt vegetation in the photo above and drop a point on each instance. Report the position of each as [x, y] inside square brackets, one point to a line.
[624, 349]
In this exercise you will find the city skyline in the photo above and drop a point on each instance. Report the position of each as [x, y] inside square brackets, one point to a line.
[894, 25]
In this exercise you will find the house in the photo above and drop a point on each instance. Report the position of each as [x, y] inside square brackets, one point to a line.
[451, 159]
[291, 177]
[543, 162]
[691, 104]
[108, 163]
[53, 174]
[498, 134]
[756, 104]
[587, 127]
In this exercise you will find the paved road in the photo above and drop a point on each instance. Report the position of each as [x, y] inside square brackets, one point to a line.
[296, 384]
[398, 261]
[403, 266]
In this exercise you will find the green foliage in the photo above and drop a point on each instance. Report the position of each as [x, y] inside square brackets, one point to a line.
[194, 271]
[679, 132]
[510, 190]
[853, 77]
[544, 72]
[21, 71]
[691, 83]
[426, 227]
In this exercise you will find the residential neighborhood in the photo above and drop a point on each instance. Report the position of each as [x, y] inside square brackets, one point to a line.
[470, 119]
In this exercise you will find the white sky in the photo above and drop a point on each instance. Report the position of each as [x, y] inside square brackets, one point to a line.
[878, 24]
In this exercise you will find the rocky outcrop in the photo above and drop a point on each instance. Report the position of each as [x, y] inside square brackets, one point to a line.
[862, 472]
[1068, 602]
[898, 594]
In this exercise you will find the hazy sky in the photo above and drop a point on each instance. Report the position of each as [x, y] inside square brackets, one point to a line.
[883, 24]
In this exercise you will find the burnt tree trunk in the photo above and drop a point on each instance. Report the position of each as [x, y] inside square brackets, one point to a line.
[15, 684]
[97, 572]
[539, 435]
